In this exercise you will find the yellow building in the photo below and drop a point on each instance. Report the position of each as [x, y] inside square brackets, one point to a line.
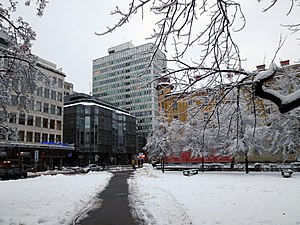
[178, 105]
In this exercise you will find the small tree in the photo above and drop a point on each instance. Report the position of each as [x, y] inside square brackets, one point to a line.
[159, 143]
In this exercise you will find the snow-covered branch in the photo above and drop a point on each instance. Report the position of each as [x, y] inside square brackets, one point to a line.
[285, 103]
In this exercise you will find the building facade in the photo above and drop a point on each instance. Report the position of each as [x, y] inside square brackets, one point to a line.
[68, 88]
[127, 77]
[101, 132]
[40, 124]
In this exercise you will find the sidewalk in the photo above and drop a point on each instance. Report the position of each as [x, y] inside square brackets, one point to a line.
[114, 209]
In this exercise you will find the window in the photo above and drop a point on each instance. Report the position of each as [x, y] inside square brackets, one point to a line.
[59, 111]
[60, 83]
[13, 117]
[87, 122]
[14, 100]
[59, 96]
[51, 138]
[45, 122]
[31, 105]
[38, 121]
[29, 136]
[52, 124]
[46, 108]
[52, 109]
[38, 106]
[45, 137]
[37, 137]
[39, 91]
[22, 119]
[58, 125]
[30, 120]
[58, 138]
[54, 80]
[87, 111]
[46, 93]
[21, 135]
[53, 95]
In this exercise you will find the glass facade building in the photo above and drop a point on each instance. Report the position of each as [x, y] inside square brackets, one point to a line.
[127, 77]
[101, 132]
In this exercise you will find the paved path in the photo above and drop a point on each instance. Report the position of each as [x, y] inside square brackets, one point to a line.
[114, 209]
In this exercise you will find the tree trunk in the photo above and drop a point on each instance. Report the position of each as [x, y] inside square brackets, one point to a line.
[246, 163]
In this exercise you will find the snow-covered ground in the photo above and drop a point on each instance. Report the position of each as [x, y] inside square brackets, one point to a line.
[49, 200]
[223, 198]
[211, 198]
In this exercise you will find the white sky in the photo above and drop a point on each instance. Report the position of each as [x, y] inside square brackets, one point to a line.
[65, 34]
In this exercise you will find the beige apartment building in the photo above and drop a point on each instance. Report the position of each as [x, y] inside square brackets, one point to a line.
[40, 125]
[43, 119]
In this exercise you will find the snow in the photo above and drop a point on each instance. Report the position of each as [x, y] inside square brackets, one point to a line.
[262, 75]
[267, 73]
[291, 97]
[158, 198]
[215, 198]
[49, 200]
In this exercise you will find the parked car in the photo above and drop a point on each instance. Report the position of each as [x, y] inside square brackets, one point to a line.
[91, 167]
[12, 173]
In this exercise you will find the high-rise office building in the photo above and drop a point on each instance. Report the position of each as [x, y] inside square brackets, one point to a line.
[127, 77]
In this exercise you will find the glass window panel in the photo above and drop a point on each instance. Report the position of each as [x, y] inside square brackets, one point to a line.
[45, 122]
[13, 117]
[22, 119]
[37, 137]
[38, 106]
[46, 108]
[29, 136]
[46, 93]
[52, 124]
[52, 109]
[38, 121]
[30, 120]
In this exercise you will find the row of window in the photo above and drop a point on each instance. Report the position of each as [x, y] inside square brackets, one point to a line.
[36, 121]
[48, 108]
[144, 113]
[115, 82]
[125, 64]
[134, 96]
[54, 81]
[37, 137]
[49, 94]
[41, 107]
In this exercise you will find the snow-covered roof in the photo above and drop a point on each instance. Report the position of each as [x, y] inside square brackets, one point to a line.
[99, 105]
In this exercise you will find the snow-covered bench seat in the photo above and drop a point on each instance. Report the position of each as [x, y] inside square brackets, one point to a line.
[286, 173]
[190, 172]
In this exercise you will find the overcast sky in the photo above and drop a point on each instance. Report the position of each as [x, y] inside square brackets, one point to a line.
[65, 34]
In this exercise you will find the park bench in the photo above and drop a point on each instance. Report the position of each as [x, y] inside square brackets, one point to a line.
[190, 172]
[286, 173]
